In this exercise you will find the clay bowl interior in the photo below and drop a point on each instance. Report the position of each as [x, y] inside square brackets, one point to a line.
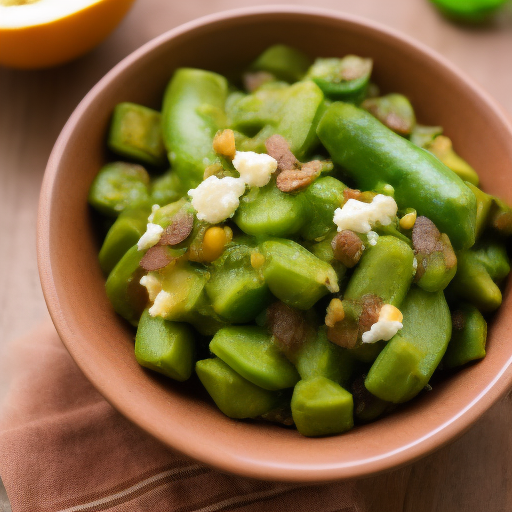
[180, 415]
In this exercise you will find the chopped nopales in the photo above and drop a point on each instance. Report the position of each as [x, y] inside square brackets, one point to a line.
[255, 169]
[388, 324]
[217, 199]
[151, 237]
[361, 217]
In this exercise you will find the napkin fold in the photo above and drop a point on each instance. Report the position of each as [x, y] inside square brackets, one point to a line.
[63, 448]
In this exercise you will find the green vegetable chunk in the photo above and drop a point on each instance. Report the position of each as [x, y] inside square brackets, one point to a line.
[268, 211]
[296, 276]
[393, 110]
[250, 352]
[167, 188]
[318, 357]
[136, 132]
[343, 79]
[469, 335]
[165, 347]
[321, 407]
[405, 365]
[123, 289]
[284, 62]
[373, 155]
[483, 208]
[124, 234]
[322, 197]
[193, 112]
[118, 186]
[235, 396]
[237, 292]
[472, 11]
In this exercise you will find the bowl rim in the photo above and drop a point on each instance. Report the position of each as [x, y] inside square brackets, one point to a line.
[209, 454]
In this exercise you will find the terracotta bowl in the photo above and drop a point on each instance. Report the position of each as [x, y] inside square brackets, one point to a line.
[180, 415]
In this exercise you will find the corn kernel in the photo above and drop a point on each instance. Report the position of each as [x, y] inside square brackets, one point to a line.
[224, 143]
[335, 312]
[214, 242]
[408, 220]
[257, 260]
[390, 313]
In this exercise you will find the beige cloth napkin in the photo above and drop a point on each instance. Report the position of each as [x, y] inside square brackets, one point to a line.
[63, 448]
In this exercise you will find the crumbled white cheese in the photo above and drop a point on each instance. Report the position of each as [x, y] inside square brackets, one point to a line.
[255, 169]
[161, 304]
[414, 266]
[217, 199]
[388, 324]
[152, 285]
[361, 217]
[150, 237]
[372, 237]
[154, 209]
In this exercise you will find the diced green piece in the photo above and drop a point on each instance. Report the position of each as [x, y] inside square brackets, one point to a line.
[184, 285]
[123, 286]
[251, 353]
[124, 234]
[193, 112]
[117, 186]
[343, 79]
[239, 294]
[492, 254]
[323, 196]
[393, 110]
[283, 62]
[268, 211]
[469, 335]
[165, 347]
[294, 115]
[318, 357]
[235, 396]
[321, 407]
[396, 371]
[136, 132]
[483, 208]
[367, 407]
[472, 283]
[167, 188]
[164, 215]
[296, 276]
[385, 270]
[407, 362]
[500, 217]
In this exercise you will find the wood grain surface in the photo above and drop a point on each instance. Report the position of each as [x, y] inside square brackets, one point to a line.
[472, 474]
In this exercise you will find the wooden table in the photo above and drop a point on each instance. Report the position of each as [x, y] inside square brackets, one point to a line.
[472, 474]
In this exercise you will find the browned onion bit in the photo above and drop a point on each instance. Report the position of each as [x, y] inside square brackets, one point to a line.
[288, 327]
[179, 229]
[279, 149]
[156, 257]
[294, 180]
[371, 305]
[347, 247]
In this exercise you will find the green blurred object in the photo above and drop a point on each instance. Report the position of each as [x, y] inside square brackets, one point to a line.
[472, 11]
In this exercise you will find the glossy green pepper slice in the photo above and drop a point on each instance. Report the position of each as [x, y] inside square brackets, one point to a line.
[123, 287]
[296, 276]
[165, 347]
[405, 365]
[124, 234]
[469, 335]
[473, 11]
[344, 79]
[373, 155]
[235, 396]
[193, 112]
[136, 132]
[117, 186]
[321, 407]
[250, 352]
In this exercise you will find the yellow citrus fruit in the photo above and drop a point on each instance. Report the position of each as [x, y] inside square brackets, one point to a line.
[44, 33]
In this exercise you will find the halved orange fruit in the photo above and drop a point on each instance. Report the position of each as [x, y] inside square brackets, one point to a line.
[44, 33]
